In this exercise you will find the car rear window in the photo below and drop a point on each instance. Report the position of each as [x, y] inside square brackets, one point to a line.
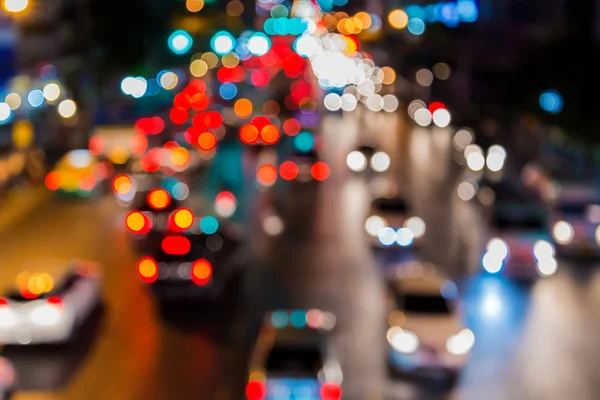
[294, 361]
[504, 222]
[573, 209]
[423, 304]
[391, 205]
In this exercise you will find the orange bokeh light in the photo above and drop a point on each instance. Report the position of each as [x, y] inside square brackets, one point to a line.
[207, 141]
[201, 272]
[243, 108]
[122, 184]
[320, 171]
[269, 134]
[159, 199]
[266, 174]
[249, 134]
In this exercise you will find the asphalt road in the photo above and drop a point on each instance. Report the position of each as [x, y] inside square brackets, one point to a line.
[533, 341]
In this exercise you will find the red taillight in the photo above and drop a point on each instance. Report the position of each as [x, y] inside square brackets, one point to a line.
[181, 219]
[3, 303]
[122, 184]
[201, 272]
[137, 222]
[176, 245]
[331, 391]
[55, 301]
[256, 390]
[147, 269]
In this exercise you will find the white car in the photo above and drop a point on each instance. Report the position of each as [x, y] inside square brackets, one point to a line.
[425, 333]
[48, 307]
[576, 226]
[391, 223]
[519, 245]
[7, 379]
[368, 157]
[293, 357]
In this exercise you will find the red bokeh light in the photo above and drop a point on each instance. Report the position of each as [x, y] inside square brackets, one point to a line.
[182, 101]
[260, 122]
[151, 161]
[288, 170]
[249, 134]
[200, 101]
[293, 65]
[260, 77]
[53, 180]
[235, 74]
[138, 144]
[320, 171]
[266, 174]
[176, 245]
[178, 116]
[201, 272]
[269, 134]
[215, 119]
[292, 127]
[148, 269]
[256, 390]
[331, 391]
[159, 199]
[436, 105]
[96, 145]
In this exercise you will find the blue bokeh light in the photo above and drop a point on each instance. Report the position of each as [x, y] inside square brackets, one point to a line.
[298, 318]
[180, 42]
[228, 90]
[279, 319]
[416, 26]
[35, 98]
[551, 101]
[209, 225]
[304, 142]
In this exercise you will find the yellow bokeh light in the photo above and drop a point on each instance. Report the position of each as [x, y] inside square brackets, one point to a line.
[169, 80]
[147, 268]
[22, 134]
[230, 60]
[135, 221]
[51, 91]
[198, 68]
[358, 25]
[364, 18]
[179, 157]
[13, 100]
[15, 6]
[183, 218]
[389, 75]
[398, 19]
[23, 279]
[67, 108]
[210, 59]
[194, 5]
[118, 154]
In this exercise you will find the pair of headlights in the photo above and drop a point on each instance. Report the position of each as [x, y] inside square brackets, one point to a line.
[407, 342]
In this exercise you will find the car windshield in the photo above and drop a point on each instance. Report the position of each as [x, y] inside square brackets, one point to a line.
[396, 204]
[294, 361]
[424, 304]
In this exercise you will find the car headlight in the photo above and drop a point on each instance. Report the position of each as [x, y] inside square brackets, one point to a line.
[374, 224]
[402, 340]
[356, 161]
[461, 343]
[563, 232]
[542, 250]
[46, 315]
[498, 248]
[416, 225]
[492, 263]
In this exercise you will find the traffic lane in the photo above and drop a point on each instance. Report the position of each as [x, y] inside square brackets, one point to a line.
[134, 355]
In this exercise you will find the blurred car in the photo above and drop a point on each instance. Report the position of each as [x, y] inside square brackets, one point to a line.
[293, 356]
[7, 379]
[576, 223]
[370, 157]
[425, 334]
[77, 173]
[519, 244]
[50, 306]
[191, 266]
[391, 222]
